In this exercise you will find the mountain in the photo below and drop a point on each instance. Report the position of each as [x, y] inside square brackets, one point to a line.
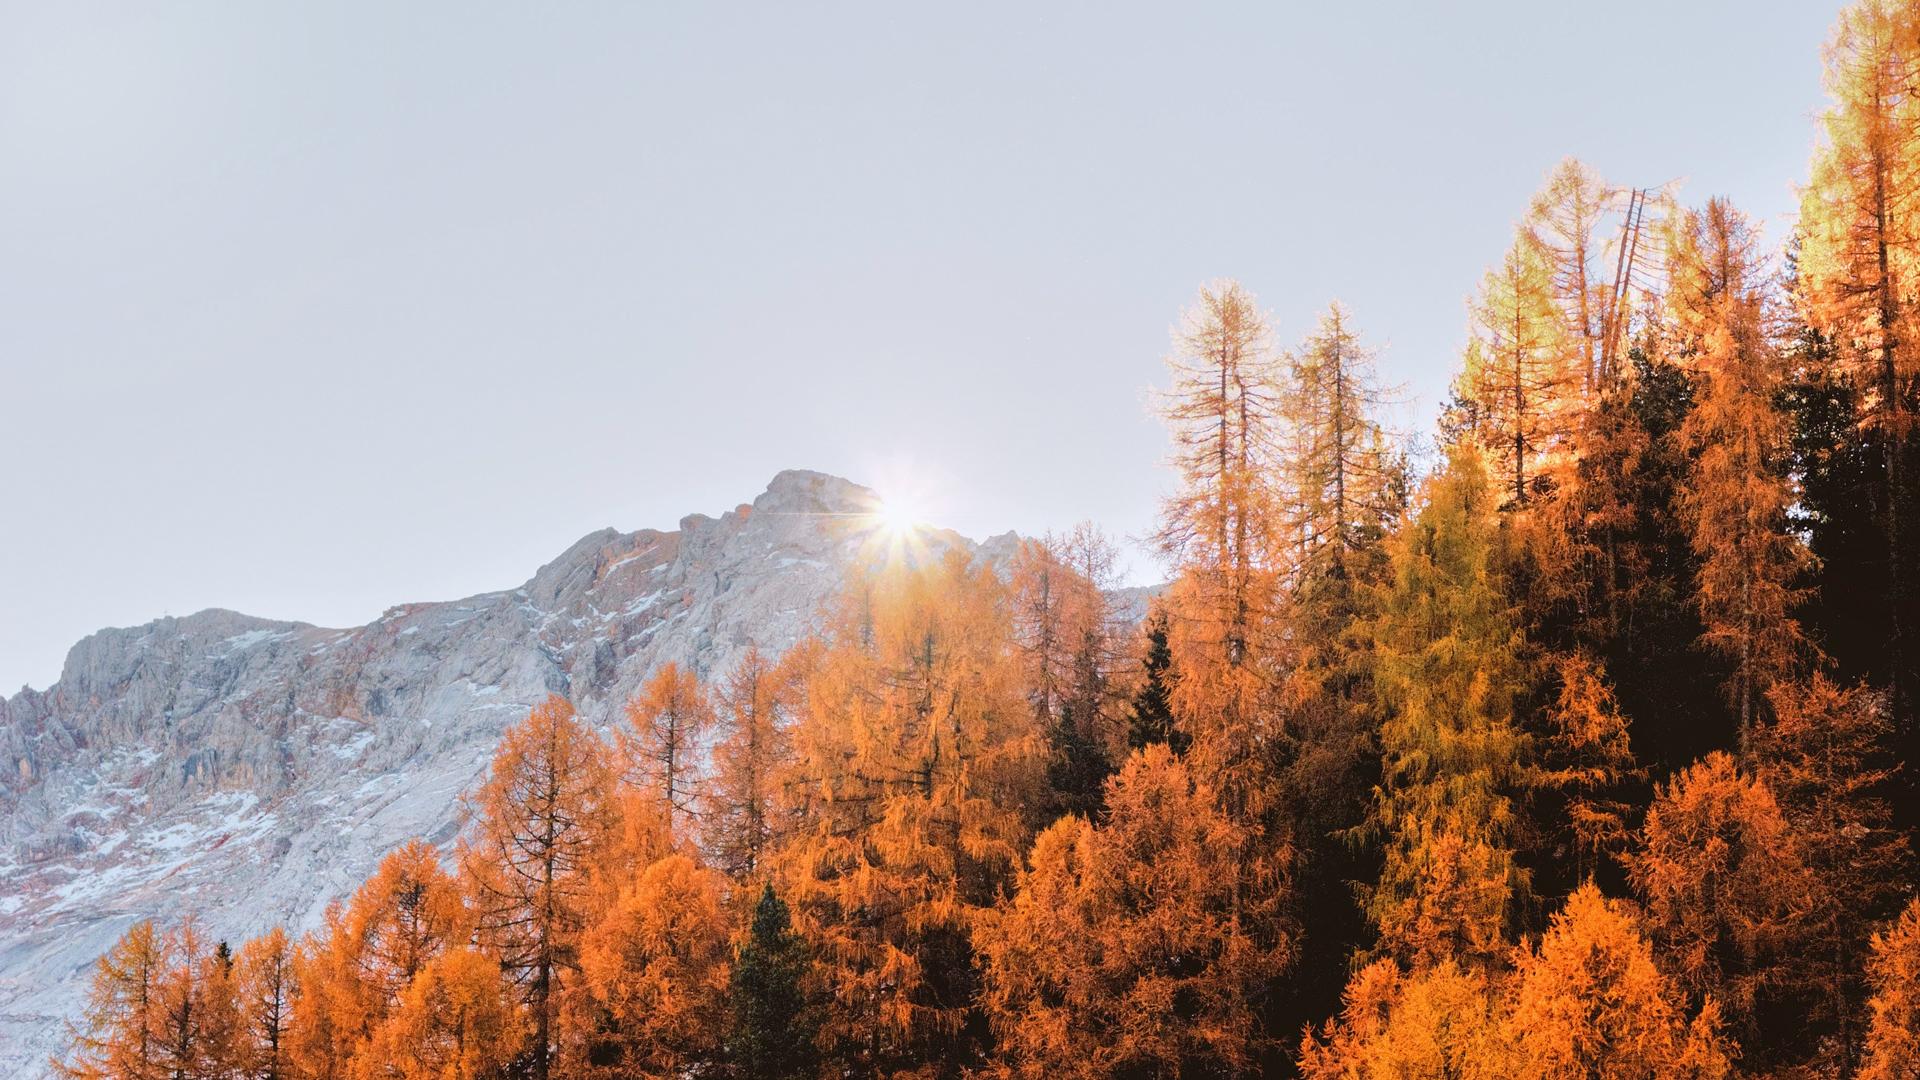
[253, 770]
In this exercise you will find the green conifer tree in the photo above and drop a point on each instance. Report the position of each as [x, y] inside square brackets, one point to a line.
[773, 1030]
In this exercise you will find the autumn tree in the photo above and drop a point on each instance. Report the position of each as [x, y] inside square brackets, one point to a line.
[1124, 951]
[1518, 376]
[773, 1028]
[1824, 755]
[1435, 1023]
[1588, 1001]
[1447, 671]
[1342, 489]
[1341, 474]
[1737, 492]
[1224, 535]
[921, 770]
[655, 973]
[116, 1038]
[332, 1018]
[1583, 765]
[1893, 970]
[409, 912]
[193, 1014]
[1724, 886]
[1063, 631]
[1857, 271]
[265, 988]
[741, 801]
[666, 719]
[456, 1021]
[1561, 224]
[1221, 533]
[539, 823]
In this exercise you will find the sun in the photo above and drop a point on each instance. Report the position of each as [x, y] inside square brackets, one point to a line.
[898, 517]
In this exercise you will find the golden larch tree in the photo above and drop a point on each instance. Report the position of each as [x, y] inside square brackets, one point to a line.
[116, 1037]
[1737, 493]
[655, 976]
[1220, 532]
[456, 1021]
[1893, 970]
[193, 1014]
[1725, 889]
[1065, 635]
[1434, 1024]
[1447, 672]
[1521, 375]
[1824, 755]
[1588, 1001]
[661, 749]
[407, 913]
[541, 824]
[742, 800]
[265, 988]
[1124, 950]
[1859, 266]
[921, 770]
[1561, 224]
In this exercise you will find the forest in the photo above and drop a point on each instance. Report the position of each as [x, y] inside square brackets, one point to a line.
[1580, 742]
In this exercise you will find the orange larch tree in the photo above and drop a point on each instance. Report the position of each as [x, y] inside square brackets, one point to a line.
[407, 913]
[741, 801]
[1893, 970]
[1124, 950]
[1221, 532]
[1858, 267]
[193, 1007]
[1064, 635]
[655, 975]
[541, 824]
[1588, 1001]
[1824, 755]
[1736, 494]
[116, 1038]
[265, 989]
[1437, 1022]
[662, 750]
[456, 1021]
[922, 772]
[1521, 375]
[1447, 671]
[1725, 889]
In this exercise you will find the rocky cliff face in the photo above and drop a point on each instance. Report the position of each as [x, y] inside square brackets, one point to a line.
[253, 770]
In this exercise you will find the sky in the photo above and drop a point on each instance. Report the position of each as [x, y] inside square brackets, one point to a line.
[310, 310]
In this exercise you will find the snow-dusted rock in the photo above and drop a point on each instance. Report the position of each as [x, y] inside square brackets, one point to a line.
[253, 770]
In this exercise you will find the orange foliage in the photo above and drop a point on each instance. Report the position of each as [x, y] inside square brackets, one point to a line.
[667, 718]
[456, 1021]
[742, 802]
[654, 970]
[1437, 1023]
[1723, 882]
[1589, 1002]
[544, 822]
[1893, 1034]
[1124, 951]
[1736, 494]
[919, 767]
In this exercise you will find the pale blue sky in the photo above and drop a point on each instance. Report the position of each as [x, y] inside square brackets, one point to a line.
[306, 310]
